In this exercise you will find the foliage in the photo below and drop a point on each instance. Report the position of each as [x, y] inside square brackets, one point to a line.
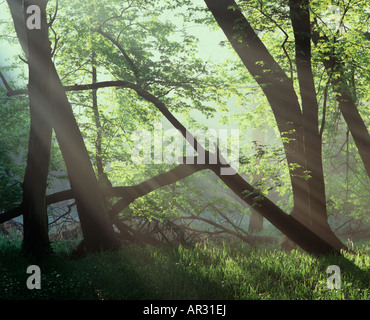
[13, 139]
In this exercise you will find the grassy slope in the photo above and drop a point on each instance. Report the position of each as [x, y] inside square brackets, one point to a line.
[206, 272]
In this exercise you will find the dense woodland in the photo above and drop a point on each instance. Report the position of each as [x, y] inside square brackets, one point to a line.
[292, 76]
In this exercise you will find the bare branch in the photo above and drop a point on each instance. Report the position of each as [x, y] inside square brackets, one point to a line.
[285, 40]
[52, 18]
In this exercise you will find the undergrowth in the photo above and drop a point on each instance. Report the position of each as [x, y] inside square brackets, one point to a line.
[208, 271]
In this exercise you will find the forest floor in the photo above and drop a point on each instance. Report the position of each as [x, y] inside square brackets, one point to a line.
[208, 271]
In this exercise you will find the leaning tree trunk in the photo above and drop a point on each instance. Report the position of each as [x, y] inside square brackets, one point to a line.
[95, 223]
[34, 209]
[292, 228]
[276, 86]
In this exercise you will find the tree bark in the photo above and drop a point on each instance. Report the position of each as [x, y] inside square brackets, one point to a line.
[96, 227]
[255, 222]
[34, 209]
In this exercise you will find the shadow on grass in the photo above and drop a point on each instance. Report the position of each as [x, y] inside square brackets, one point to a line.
[129, 274]
[148, 273]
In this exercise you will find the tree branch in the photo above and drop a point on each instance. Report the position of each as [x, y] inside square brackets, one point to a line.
[5, 82]
[131, 193]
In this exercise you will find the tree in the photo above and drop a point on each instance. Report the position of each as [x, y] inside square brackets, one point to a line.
[303, 149]
[97, 229]
[33, 204]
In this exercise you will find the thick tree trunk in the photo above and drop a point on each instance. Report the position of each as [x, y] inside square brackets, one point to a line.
[316, 216]
[34, 209]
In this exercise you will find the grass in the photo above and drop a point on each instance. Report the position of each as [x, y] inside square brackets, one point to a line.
[208, 271]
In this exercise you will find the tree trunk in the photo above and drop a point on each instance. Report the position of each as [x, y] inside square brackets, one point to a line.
[316, 216]
[34, 209]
